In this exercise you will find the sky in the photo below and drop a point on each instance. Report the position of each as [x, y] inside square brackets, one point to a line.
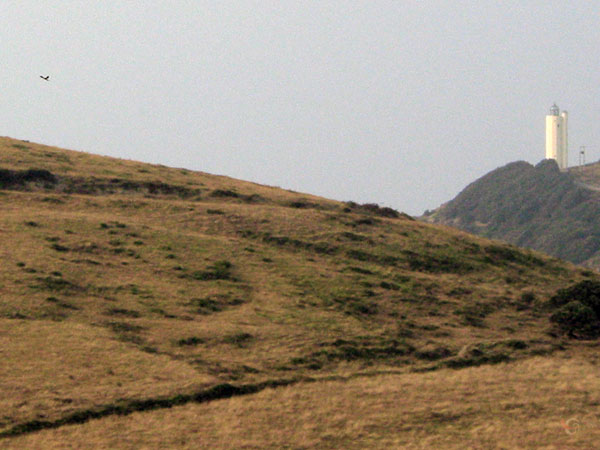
[400, 103]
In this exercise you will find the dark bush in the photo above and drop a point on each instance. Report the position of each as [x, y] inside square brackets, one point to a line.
[220, 270]
[587, 291]
[378, 210]
[278, 240]
[323, 248]
[206, 305]
[361, 307]
[224, 193]
[301, 204]
[374, 208]
[7, 178]
[362, 348]
[474, 314]
[10, 178]
[360, 270]
[37, 175]
[577, 309]
[440, 263]
[528, 297]
[389, 286]
[527, 301]
[577, 320]
[238, 339]
[516, 344]
[214, 303]
[366, 221]
[190, 341]
[123, 312]
[56, 284]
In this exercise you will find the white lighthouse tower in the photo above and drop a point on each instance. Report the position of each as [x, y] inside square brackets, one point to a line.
[556, 137]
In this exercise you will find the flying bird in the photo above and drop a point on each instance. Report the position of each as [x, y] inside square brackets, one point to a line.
[47, 77]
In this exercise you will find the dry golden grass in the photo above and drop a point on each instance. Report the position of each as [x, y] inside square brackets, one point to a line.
[20, 155]
[50, 369]
[115, 294]
[543, 402]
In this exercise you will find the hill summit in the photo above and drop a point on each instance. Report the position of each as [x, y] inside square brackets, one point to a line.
[538, 207]
[133, 289]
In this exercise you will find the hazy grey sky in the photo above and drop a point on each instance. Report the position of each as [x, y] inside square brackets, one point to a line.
[402, 103]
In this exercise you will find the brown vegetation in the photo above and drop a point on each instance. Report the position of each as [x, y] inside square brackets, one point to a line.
[131, 295]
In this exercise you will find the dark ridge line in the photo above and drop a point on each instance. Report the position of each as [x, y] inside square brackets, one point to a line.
[218, 392]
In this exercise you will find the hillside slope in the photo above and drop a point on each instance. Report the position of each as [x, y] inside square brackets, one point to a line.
[536, 207]
[540, 402]
[128, 286]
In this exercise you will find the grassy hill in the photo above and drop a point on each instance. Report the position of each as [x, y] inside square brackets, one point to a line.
[536, 207]
[129, 288]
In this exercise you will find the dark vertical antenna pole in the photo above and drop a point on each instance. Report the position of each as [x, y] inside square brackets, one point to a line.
[582, 156]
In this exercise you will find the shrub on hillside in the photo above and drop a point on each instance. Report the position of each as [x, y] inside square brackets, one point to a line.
[577, 309]
[375, 209]
[220, 270]
[224, 193]
[10, 178]
[577, 319]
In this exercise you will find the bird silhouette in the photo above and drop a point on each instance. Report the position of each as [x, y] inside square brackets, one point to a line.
[47, 77]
